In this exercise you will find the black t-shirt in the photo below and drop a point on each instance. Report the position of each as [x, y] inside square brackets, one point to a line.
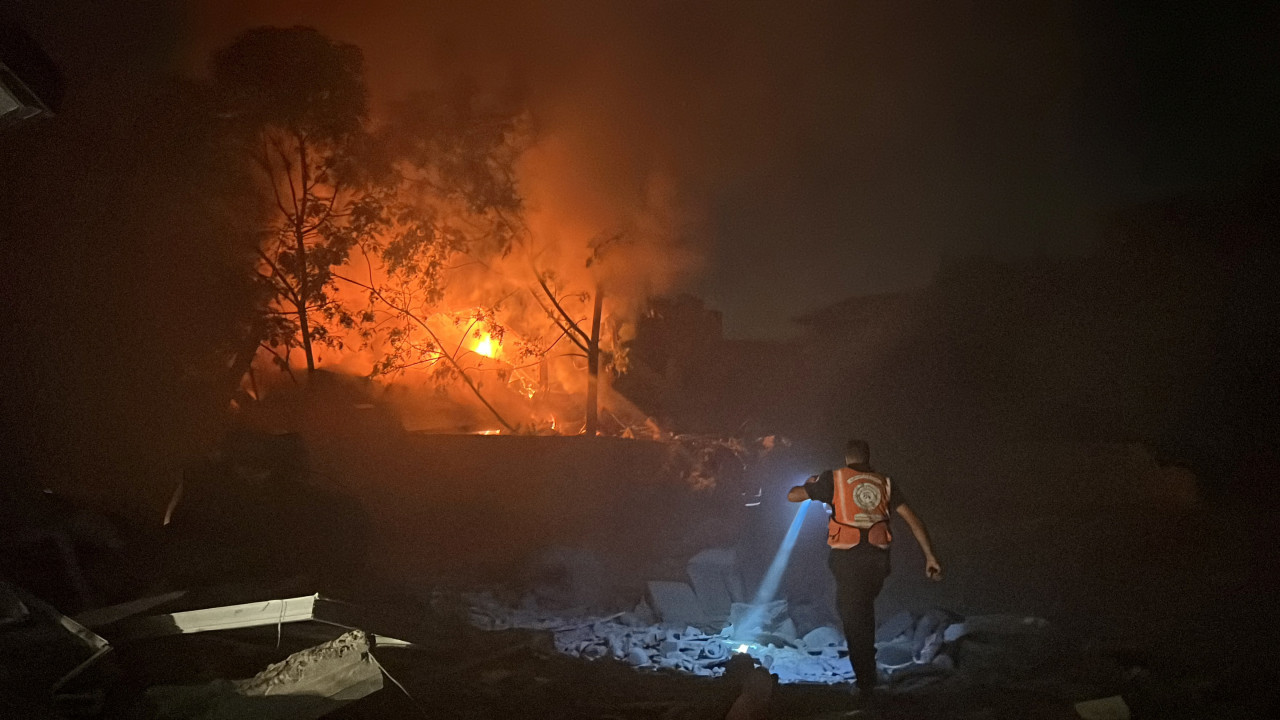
[824, 488]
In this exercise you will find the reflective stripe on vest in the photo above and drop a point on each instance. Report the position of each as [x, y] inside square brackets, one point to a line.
[859, 504]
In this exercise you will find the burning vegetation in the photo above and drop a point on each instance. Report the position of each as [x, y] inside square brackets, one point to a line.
[421, 250]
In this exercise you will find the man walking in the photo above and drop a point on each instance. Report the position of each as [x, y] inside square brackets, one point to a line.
[860, 501]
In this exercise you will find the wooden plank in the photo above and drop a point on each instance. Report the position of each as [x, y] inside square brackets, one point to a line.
[273, 612]
[101, 617]
[227, 617]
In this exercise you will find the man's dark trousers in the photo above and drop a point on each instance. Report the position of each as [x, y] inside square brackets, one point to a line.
[860, 572]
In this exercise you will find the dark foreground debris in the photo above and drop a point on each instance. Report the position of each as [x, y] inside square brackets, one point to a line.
[306, 657]
[306, 685]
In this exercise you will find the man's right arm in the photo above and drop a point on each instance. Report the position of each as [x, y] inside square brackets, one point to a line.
[799, 493]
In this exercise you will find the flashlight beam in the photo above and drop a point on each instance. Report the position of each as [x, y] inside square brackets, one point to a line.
[773, 577]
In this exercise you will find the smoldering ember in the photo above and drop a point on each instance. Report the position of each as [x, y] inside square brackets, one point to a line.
[639, 360]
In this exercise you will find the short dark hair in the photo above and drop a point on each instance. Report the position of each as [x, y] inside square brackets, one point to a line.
[859, 449]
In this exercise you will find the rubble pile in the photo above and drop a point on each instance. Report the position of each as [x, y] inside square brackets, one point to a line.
[905, 642]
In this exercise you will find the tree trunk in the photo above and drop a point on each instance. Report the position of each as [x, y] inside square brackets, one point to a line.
[593, 367]
[300, 235]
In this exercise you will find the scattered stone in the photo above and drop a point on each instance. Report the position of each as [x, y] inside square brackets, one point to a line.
[638, 657]
[823, 637]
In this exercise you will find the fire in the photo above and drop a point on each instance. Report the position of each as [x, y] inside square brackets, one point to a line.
[486, 347]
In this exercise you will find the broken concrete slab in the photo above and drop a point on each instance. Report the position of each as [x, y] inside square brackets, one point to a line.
[715, 579]
[306, 685]
[675, 603]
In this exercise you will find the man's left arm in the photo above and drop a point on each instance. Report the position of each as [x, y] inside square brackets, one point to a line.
[931, 567]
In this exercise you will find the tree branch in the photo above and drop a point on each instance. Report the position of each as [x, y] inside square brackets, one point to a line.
[564, 328]
[436, 339]
[280, 277]
[564, 314]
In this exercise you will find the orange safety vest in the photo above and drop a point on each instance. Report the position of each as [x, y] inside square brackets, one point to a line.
[860, 504]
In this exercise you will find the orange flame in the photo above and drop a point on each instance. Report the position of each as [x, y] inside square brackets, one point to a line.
[486, 346]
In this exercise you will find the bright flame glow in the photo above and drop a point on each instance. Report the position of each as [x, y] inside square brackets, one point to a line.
[486, 347]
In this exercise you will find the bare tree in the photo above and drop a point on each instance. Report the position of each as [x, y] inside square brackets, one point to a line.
[296, 101]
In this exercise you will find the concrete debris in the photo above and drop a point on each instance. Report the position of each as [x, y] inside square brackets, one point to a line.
[821, 638]
[927, 649]
[306, 685]
[565, 577]
[716, 582]
[749, 621]
[675, 602]
[929, 635]
[896, 655]
[768, 637]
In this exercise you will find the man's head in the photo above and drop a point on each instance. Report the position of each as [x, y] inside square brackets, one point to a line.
[856, 452]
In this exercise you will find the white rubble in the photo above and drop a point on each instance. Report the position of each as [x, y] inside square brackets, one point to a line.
[767, 633]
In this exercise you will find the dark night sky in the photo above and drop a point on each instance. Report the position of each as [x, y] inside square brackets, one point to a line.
[826, 148]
